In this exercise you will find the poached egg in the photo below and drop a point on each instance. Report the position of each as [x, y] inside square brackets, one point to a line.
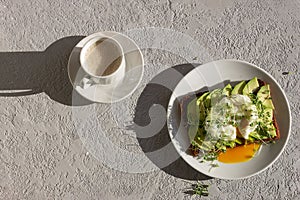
[228, 115]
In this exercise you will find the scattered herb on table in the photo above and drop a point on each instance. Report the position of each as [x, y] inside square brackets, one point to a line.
[286, 73]
[200, 189]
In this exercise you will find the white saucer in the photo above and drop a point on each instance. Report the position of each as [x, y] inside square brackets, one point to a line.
[113, 92]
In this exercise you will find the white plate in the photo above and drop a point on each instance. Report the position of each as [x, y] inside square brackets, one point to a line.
[213, 75]
[114, 92]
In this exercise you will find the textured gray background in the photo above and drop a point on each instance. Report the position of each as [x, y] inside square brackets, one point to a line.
[41, 152]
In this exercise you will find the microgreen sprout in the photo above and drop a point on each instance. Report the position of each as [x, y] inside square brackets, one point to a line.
[200, 189]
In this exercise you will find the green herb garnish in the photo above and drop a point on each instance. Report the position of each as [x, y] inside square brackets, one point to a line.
[210, 156]
[214, 165]
[200, 189]
[287, 73]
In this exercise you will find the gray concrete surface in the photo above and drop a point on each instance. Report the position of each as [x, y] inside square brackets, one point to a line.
[43, 153]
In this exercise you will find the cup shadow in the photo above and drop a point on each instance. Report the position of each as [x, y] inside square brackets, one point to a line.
[27, 73]
[152, 95]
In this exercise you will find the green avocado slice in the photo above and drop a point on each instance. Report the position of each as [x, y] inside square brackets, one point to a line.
[213, 97]
[227, 90]
[193, 113]
[192, 132]
[264, 95]
[238, 89]
[268, 114]
[251, 86]
[202, 98]
[201, 104]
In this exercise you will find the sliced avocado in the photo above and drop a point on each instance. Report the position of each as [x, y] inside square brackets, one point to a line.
[192, 132]
[193, 113]
[264, 92]
[271, 130]
[227, 90]
[202, 98]
[201, 105]
[203, 112]
[264, 95]
[268, 114]
[214, 97]
[238, 89]
[207, 100]
[251, 86]
[268, 121]
[268, 103]
[273, 133]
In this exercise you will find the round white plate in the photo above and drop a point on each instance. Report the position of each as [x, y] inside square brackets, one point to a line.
[113, 92]
[215, 75]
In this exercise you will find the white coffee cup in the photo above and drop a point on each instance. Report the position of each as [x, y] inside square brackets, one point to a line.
[102, 58]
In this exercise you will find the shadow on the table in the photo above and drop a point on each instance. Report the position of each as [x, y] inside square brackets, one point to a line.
[158, 147]
[26, 73]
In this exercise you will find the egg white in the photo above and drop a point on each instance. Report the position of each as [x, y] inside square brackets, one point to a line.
[230, 113]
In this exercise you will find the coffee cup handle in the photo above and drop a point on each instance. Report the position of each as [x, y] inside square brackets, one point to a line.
[86, 82]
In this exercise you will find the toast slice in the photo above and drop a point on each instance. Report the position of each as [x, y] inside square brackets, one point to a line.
[187, 99]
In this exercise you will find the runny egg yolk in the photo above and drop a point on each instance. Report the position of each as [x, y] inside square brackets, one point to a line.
[239, 154]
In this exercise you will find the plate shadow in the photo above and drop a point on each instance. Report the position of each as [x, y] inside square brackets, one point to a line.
[158, 91]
